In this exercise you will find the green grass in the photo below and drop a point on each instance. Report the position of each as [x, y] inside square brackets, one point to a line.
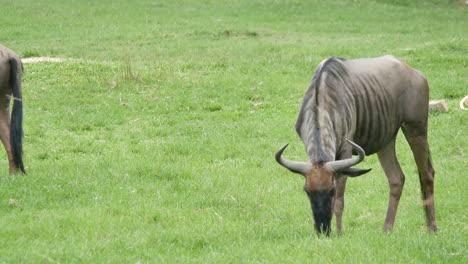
[155, 143]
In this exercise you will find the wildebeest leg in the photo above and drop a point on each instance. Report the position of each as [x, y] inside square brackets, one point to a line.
[396, 180]
[339, 201]
[5, 133]
[416, 135]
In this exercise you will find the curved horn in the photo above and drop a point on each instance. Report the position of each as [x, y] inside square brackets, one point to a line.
[294, 166]
[338, 165]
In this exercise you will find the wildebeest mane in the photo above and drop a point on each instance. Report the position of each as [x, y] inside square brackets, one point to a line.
[336, 73]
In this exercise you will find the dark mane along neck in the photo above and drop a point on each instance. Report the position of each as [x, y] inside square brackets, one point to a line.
[320, 110]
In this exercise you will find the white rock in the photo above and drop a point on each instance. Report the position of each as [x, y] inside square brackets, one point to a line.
[438, 105]
[464, 101]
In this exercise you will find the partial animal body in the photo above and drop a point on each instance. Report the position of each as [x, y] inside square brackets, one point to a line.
[366, 101]
[11, 131]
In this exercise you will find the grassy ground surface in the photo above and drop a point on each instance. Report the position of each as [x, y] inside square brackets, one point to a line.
[155, 143]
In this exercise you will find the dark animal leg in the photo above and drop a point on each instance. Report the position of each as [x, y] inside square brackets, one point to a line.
[339, 201]
[416, 135]
[5, 134]
[396, 180]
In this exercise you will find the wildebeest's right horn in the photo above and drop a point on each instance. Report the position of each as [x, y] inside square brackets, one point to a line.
[294, 166]
[339, 165]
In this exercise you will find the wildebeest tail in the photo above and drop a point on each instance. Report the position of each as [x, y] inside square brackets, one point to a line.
[16, 126]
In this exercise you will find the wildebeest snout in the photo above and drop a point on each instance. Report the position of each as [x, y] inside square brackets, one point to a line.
[322, 204]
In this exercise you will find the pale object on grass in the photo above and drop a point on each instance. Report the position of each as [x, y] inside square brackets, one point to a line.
[14, 203]
[41, 59]
[464, 100]
[438, 105]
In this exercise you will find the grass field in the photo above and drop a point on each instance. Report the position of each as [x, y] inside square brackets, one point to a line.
[154, 143]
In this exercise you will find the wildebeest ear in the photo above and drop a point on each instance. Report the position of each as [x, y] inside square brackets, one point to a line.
[351, 172]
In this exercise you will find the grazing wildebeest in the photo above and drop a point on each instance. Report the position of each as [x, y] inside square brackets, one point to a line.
[366, 101]
[11, 133]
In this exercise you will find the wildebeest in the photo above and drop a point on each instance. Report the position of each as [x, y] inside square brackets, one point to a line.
[11, 133]
[366, 101]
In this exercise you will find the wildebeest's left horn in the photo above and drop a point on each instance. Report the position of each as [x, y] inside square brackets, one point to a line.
[339, 165]
[294, 166]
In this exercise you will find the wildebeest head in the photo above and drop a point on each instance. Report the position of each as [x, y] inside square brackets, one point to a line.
[320, 183]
